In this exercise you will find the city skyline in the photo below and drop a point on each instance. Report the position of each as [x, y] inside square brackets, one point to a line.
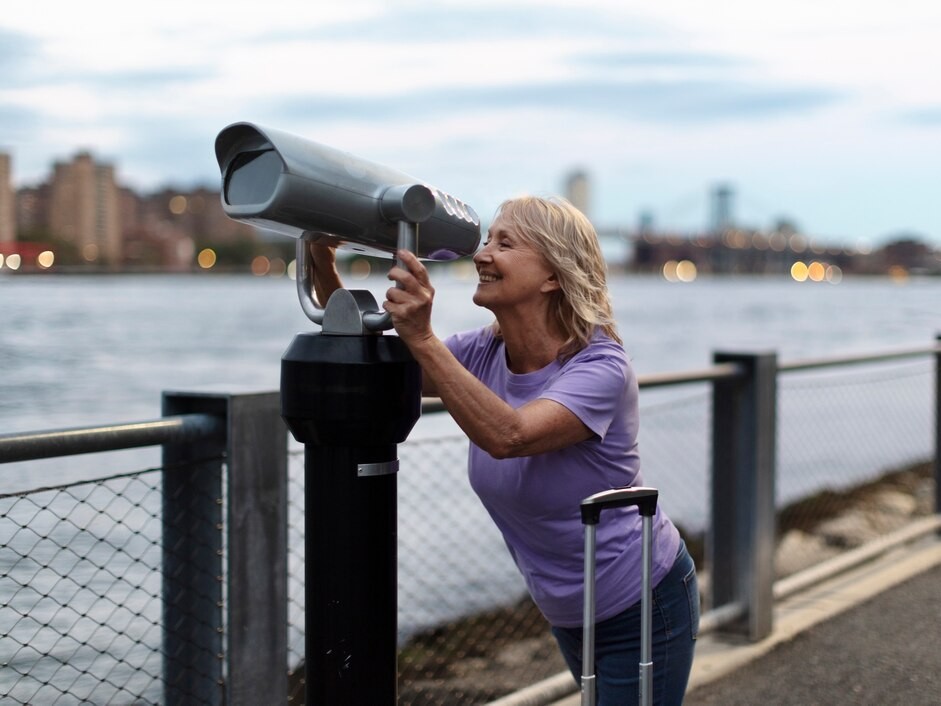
[82, 216]
[824, 114]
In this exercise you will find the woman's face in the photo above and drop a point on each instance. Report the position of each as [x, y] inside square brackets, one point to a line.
[511, 273]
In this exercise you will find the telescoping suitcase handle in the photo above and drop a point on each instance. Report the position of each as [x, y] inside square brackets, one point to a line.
[646, 501]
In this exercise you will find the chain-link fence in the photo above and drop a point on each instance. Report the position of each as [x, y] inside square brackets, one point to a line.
[87, 573]
[855, 450]
[81, 594]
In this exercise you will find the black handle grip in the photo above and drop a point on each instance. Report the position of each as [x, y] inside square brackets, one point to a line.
[644, 498]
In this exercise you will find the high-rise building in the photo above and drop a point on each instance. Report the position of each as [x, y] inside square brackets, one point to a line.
[7, 201]
[83, 209]
[578, 191]
[108, 225]
[722, 215]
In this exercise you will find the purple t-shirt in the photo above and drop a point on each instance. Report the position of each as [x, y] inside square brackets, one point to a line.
[534, 500]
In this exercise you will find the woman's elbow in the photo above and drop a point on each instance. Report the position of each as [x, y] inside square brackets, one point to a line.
[499, 453]
[506, 447]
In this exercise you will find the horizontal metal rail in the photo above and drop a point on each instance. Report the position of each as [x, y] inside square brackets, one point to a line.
[722, 371]
[727, 371]
[812, 363]
[29, 446]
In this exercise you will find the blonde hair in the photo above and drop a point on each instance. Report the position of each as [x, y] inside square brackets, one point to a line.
[568, 241]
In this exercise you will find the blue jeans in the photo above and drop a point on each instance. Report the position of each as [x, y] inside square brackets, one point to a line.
[617, 642]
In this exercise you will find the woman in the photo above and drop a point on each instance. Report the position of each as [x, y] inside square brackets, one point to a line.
[549, 401]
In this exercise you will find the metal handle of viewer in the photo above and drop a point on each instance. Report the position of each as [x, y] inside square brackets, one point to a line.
[408, 235]
[407, 205]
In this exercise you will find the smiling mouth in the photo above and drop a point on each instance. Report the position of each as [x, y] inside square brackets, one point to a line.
[484, 278]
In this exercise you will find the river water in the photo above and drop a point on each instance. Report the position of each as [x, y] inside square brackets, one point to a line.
[78, 350]
[84, 350]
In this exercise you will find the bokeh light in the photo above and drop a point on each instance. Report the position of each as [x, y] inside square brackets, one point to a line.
[669, 271]
[360, 269]
[261, 265]
[45, 259]
[278, 267]
[816, 271]
[682, 271]
[686, 271]
[834, 274]
[177, 205]
[799, 271]
[206, 258]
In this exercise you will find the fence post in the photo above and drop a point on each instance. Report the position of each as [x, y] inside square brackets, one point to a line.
[937, 424]
[742, 537]
[255, 653]
[192, 560]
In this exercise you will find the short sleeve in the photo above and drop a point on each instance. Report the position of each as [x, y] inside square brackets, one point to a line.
[593, 385]
[473, 349]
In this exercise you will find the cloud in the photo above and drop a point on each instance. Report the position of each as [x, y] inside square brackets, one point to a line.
[16, 53]
[150, 79]
[158, 150]
[684, 101]
[658, 59]
[15, 123]
[927, 117]
[448, 23]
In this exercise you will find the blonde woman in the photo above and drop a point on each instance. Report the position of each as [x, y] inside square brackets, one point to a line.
[549, 401]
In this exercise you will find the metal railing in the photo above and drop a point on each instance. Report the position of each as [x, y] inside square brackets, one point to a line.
[180, 583]
[92, 571]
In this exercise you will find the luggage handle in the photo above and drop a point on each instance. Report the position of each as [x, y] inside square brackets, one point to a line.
[646, 501]
[644, 498]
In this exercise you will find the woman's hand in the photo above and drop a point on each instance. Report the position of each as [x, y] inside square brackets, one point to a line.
[410, 301]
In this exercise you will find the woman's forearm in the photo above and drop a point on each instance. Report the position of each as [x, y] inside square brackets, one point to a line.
[489, 422]
[326, 277]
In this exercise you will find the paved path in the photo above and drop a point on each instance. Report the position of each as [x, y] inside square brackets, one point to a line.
[884, 651]
[871, 635]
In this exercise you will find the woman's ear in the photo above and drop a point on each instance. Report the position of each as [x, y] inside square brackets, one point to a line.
[550, 284]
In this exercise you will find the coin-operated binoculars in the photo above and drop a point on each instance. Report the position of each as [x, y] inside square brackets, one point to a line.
[348, 393]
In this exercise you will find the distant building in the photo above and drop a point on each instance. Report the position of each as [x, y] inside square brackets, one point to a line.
[83, 209]
[169, 226]
[722, 216]
[7, 201]
[578, 191]
[113, 226]
[910, 253]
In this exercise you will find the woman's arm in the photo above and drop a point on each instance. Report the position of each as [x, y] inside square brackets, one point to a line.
[326, 278]
[496, 427]
[502, 431]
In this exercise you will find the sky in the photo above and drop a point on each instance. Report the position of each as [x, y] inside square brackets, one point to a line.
[823, 112]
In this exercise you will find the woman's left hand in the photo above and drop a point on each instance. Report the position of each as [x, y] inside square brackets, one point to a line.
[410, 301]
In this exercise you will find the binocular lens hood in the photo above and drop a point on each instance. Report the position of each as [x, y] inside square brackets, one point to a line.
[302, 189]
